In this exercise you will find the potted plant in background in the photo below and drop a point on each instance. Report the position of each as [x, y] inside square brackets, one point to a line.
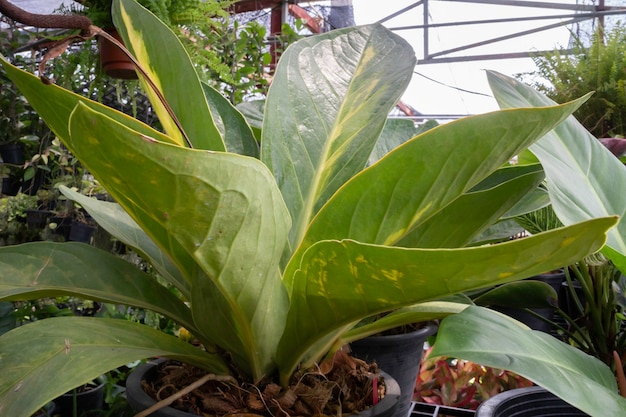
[462, 384]
[113, 60]
[21, 130]
[13, 212]
[596, 64]
[274, 260]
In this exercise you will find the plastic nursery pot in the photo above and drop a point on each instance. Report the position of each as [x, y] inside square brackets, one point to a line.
[60, 226]
[399, 355]
[13, 154]
[114, 62]
[554, 280]
[81, 232]
[37, 219]
[527, 402]
[88, 402]
[139, 400]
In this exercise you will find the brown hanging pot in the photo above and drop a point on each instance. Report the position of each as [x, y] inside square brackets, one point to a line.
[114, 62]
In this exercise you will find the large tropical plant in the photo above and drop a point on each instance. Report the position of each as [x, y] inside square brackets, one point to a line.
[276, 252]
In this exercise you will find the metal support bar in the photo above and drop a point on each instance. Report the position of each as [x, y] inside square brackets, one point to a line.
[489, 57]
[532, 4]
[503, 38]
[399, 12]
[578, 13]
[583, 16]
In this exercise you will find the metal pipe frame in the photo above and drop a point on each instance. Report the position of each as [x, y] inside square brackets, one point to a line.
[580, 13]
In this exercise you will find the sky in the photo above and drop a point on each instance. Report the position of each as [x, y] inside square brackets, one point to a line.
[437, 88]
[450, 88]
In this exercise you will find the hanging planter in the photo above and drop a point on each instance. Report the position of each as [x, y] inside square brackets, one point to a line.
[114, 61]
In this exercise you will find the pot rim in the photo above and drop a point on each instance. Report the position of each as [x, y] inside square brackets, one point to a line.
[529, 396]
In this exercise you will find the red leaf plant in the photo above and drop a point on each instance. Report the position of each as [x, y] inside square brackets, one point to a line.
[460, 383]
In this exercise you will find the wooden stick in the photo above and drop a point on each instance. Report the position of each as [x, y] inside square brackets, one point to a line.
[169, 400]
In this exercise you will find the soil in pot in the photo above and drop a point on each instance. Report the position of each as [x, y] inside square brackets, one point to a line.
[399, 355]
[527, 402]
[313, 392]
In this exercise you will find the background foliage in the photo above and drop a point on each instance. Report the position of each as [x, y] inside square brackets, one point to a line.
[600, 67]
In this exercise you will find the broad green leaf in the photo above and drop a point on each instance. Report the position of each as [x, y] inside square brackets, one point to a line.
[55, 104]
[504, 174]
[535, 200]
[253, 112]
[488, 338]
[76, 350]
[531, 201]
[498, 232]
[168, 65]
[420, 313]
[394, 134]
[342, 282]
[230, 122]
[47, 269]
[582, 174]
[415, 181]
[325, 110]
[7, 317]
[230, 243]
[111, 217]
[100, 143]
[469, 215]
[520, 294]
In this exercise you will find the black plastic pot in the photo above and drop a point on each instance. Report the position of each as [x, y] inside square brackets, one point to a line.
[527, 402]
[37, 219]
[12, 153]
[81, 232]
[88, 403]
[62, 226]
[554, 280]
[399, 355]
[140, 401]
